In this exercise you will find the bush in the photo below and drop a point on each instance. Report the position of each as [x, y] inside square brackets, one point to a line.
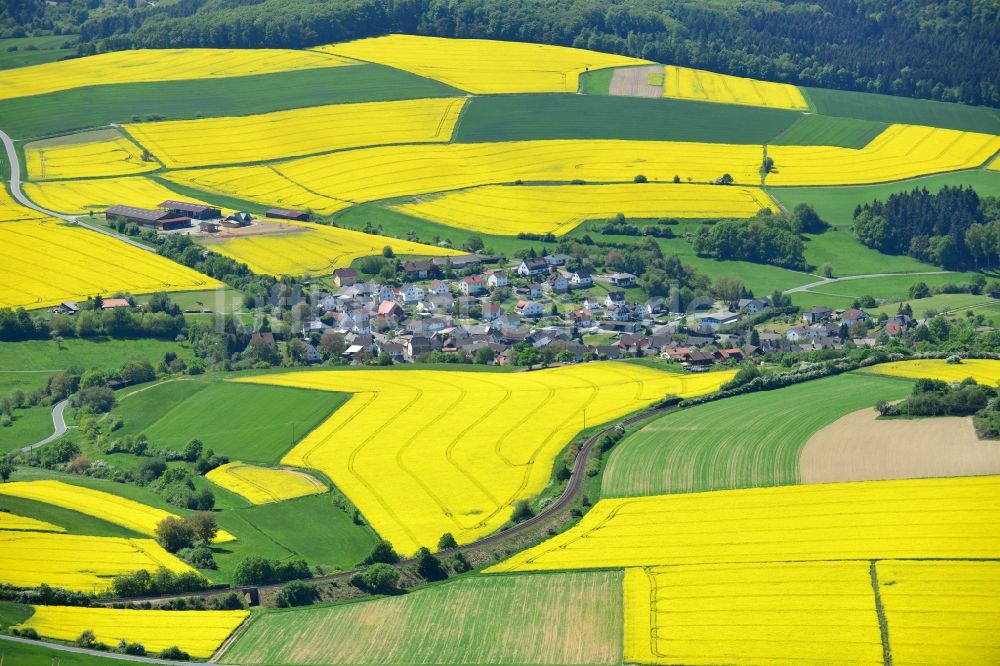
[229, 601]
[447, 541]
[383, 553]
[429, 567]
[87, 639]
[296, 593]
[27, 632]
[381, 578]
[460, 563]
[175, 653]
[522, 511]
[254, 570]
[175, 533]
[95, 399]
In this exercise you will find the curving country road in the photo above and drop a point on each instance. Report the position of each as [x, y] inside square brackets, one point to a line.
[58, 427]
[820, 283]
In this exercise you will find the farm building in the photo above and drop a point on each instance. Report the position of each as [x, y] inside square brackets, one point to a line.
[155, 219]
[283, 214]
[237, 220]
[191, 210]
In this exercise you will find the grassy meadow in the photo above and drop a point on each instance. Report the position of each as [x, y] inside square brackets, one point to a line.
[890, 288]
[26, 51]
[815, 130]
[742, 442]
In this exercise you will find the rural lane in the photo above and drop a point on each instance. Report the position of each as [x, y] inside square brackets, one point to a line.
[77, 650]
[820, 283]
[15, 189]
[58, 426]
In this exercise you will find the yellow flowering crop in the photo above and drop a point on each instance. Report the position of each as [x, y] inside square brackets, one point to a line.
[197, 632]
[110, 154]
[509, 210]
[703, 86]
[269, 136]
[984, 371]
[810, 612]
[79, 197]
[261, 485]
[112, 508]
[483, 66]
[900, 151]
[928, 518]
[11, 521]
[157, 65]
[994, 165]
[942, 612]
[85, 563]
[426, 452]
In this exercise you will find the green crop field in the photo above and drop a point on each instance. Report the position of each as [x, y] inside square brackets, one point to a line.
[247, 422]
[553, 116]
[890, 288]
[21, 654]
[25, 51]
[597, 82]
[13, 613]
[748, 441]
[836, 204]
[816, 130]
[561, 618]
[890, 109]
[61, 112]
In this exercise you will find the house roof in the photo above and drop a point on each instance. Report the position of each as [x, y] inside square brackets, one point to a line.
[138, 213]
[345, 272]
[185, 206]
[109, 303]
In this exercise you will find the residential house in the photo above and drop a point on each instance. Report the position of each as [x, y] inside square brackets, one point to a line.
[529, 309]
[613, 299]
[610, 352]
[419, 344]
[557, 283]
[816, 314]
[753, 305]
[496, 279]
[418, 269]
[583, 318]
[535, 290]
[581, 279]
[622, 280]
[633, 343]
[112, 303]
[492, 311]
[438, 288]
[310, 354]
[530, 266]
[852, 316]
[442, 303]
[411, 293]
[591, 302]
[619, 313]
[655, 306]
[508, 321]
[556, 259]
[472, 285]
[395, 350]
[390, 309]
[461, 262]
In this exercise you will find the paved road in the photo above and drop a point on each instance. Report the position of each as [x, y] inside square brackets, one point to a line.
[58, 427]
[15, 188]
[819, 283]
[69, 648]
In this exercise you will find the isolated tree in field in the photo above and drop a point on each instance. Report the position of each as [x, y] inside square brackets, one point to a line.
[254, 570]
[725, 179]
[6, 469]
[640, 179]
[387, 252]
[204, 525]
[828, 270]
[381, 578]
[429, 567]
[383, 553]
[447, 541]
[174, 534]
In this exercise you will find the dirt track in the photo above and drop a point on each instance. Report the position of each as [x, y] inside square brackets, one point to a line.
[634, 82]
[858, 447]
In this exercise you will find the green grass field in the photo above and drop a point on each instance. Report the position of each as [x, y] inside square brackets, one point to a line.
[90, 353]
[247, 422]
[13, 613]
[25, 51]
[815, 130]
[747, 441]
[61, 112]
[938, 303]
[21, 654]
[29, 425]
[557, 116]
[848, 256]
[597, 82]
[836, 204]
[561, 618]
[892, 288]
[890, 109]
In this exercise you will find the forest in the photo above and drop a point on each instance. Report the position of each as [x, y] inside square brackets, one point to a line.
[917, 48]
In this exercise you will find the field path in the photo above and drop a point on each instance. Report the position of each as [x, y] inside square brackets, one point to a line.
[22, 198]
[78, 650]
[825, 281]
[58, 425]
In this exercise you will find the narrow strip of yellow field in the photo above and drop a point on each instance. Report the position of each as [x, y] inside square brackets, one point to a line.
[983, 370]
[14, 522]
[704, 86]
[112, 155]
[558, 209]
[483, 66]
[83, 563]
[197, 632]
[145, 65]
[310, 249]
[922, 518]
[112, 508]
[899, 152]
[422, 453]
[282, 134]
[261, 485]
[79, 197]
[942, 612]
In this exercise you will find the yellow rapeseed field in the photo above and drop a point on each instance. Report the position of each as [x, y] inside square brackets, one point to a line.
[79, 197]
[197, 632]
[927, 518]
[269, 136]
[91, 154]
[125, 512]
[808, 612]
[84, 563]
[899, 152]
[261, 485]
[12, 521]
[425, 452]
[984, 371]
[483, 66]
[942, 612]
[509, 210]
[313, 249]
[157, 65]
[703, 86]
[994, 165]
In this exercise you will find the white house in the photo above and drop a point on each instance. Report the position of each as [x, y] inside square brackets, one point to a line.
[622, 280]
[438, 288]
[613, 299]
[557, 283]
[472, 285]
[411, 293]
[529, 309]
[532, 267]
[496, 279]
[581, 278]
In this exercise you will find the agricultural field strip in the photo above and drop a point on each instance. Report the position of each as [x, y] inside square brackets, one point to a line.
[701, 85]
[509, 210]
[314, 249]
[82, 196]
[83, 563]
[197, 632]
[309, 131]
[261, 485]
[145, 65]
[109, 157]
[426, 452]
[13, 522]
[984, 371]
[482, 66]
[112, 508]
[916, 518]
